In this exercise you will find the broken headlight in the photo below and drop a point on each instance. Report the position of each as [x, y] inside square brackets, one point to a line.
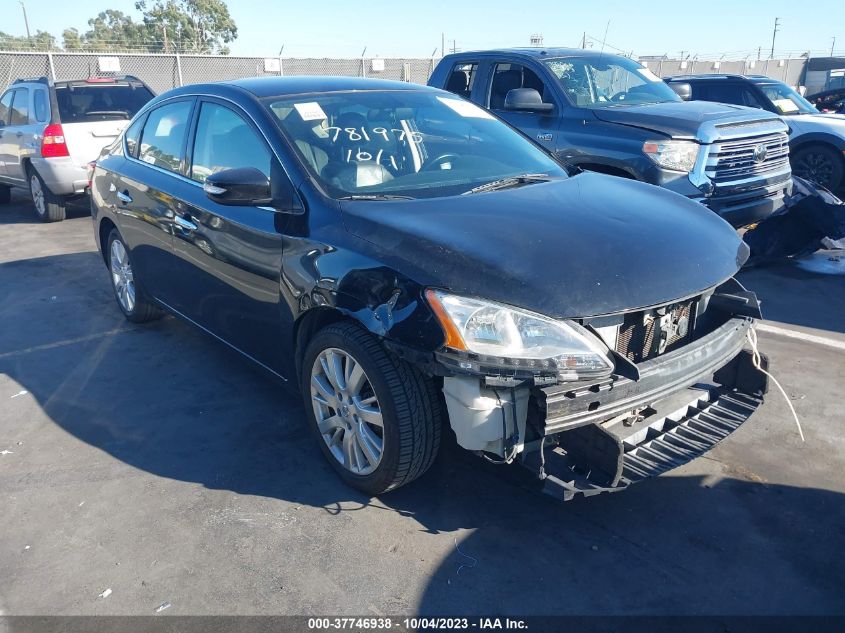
[524, 339]
[673, 155]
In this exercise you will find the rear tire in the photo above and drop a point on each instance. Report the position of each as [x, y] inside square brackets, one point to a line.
[48, 206]
[131, 299]
[820, 164]
[402, 400]
[5, 194]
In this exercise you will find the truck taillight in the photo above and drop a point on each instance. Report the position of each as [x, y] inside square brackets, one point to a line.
[53, 144]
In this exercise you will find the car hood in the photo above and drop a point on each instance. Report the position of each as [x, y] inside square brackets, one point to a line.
[679, 119]
[584, 246]
[806, 123]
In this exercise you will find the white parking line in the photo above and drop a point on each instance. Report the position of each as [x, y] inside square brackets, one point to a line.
[809, 338]
[71, 341]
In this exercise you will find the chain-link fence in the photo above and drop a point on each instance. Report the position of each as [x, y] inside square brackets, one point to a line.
[789, 71]
[165, 71]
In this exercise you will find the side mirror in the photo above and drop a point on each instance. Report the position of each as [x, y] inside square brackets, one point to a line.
[683, 90]
[526, 100]
[244, 186]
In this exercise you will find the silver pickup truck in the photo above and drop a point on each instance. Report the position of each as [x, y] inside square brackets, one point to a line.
[50, 131]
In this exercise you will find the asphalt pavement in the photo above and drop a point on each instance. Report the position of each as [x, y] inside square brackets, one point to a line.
[147, 466]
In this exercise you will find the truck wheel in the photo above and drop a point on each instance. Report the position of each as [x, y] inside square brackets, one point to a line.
[376, 418]
[48, 207]
[5, 194]
[130, 297]
[819, 164]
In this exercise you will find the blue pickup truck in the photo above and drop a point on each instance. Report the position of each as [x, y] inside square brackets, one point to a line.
[610, 114]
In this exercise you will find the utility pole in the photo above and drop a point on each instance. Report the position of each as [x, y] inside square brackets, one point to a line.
[832, 45]
[454, 46]
[759, 49]
[584, 40]
[25, 20]
[774, 34]
[442, 45]
[164, 29]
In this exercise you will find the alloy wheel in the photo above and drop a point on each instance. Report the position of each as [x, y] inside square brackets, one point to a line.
[815, 167]
[37, 194]
[122, 277]
[347, 411]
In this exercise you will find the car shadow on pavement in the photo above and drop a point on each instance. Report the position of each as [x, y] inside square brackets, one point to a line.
[21, 211]
[821, 280]
[166, 399]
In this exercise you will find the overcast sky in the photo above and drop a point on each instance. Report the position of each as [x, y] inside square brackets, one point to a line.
[335, 28]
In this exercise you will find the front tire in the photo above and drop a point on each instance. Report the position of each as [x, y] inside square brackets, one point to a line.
[376, 418]
[48, 206]
[130, 297]
[819, 164]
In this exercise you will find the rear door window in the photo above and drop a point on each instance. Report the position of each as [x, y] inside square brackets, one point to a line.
[133, 135]
[163, 138]
[6, 107]
[462, 78]
[20, 108]
[100, 102]
[224, 140]
[732, 93]
[42, 110]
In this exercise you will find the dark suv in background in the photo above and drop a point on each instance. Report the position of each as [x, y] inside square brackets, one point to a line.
[610, 114]
[816, 140]
[50, 131]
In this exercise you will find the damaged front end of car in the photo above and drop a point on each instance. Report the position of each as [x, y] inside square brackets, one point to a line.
[595, 404]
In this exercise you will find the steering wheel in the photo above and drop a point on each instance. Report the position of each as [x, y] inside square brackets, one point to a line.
[439, 161]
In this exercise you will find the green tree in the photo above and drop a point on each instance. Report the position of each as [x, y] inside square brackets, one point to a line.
[110, 30]
[41, 41]
[194, 26]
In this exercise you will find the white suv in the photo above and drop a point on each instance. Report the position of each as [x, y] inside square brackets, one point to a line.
[50, 131]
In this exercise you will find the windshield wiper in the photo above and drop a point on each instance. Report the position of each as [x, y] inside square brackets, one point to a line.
[375, 196]
[506, 183]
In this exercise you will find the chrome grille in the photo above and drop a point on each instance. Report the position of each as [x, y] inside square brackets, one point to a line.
[736, 159]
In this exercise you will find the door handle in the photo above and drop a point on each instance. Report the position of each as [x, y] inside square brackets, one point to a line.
[184, 223]
[124, 197]
[19, 134]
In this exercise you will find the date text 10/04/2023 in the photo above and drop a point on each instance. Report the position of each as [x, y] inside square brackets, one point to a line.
[423, 623]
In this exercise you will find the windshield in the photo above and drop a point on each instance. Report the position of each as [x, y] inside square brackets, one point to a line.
[406, 143]
[786, 100]
[607, 82]
[86, 103]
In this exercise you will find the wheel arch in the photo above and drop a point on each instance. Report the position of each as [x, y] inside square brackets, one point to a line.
[806, 140]
[103, 230]
[607, 169]
[311, 322]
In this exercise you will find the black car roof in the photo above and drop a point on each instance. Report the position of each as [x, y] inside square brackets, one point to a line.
[535, 52]
[757, 79]
[278, 86]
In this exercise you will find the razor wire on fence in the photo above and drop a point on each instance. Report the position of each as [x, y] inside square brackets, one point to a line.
[163, 71]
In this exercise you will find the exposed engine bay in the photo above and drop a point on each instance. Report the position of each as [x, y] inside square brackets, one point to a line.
[682, 382]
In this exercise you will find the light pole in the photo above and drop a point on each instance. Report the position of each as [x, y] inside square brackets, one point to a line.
[25, 20]
[774, 34]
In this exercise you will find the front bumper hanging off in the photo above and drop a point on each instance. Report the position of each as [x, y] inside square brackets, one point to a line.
[605, 436]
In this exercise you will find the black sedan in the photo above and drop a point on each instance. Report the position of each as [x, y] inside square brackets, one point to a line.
[407, 261]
